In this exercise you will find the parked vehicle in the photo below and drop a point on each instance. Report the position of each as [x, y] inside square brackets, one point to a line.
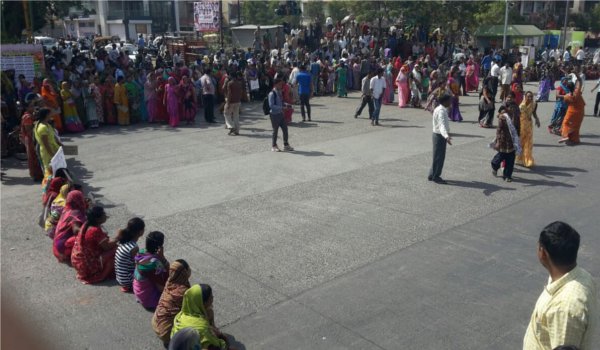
[45, 41]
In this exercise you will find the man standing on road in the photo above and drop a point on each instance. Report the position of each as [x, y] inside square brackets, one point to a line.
[276, 115]
[233, 98]
[495, 74]
[315, 70]
[377, 85]
[304, 80]
[208, 96]
[566, 313]
[505, 79]
[441, 137]
[366, 98]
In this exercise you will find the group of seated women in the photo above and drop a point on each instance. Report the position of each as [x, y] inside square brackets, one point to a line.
[183, 314]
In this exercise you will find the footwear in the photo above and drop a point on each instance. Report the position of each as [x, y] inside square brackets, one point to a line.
[231, 131]
[376, 123]
[439, 180]
[508, 179]
[126, 289]
[236, 133]
[356, 116]
[563, 140]
[275, 149]
[429, 178]
[494, 172]
[372, 122]
[288, 148]
[309, 119]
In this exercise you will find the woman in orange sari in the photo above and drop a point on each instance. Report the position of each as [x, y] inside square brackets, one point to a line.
[108, 91]
[574, 117]
[52, 101]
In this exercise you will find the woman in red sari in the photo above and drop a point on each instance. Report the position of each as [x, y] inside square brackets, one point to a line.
[93, 254]
[472, 82]
[188, 96]
[51, 100]
[574, 117]
[108, 91]
[161, 108]
[35, 170]
[69, 224]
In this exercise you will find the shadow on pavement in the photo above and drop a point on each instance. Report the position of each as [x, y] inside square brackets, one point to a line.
[311, 153]
[487, 188]
[234, 343]
[467, 135]
[551, 170]
[548, 183]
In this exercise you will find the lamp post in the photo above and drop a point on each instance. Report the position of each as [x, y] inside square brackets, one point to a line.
[505, 24]
[564, 38]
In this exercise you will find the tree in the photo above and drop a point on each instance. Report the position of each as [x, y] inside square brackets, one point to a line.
[313, 10]
[263, 12]
[42, 13]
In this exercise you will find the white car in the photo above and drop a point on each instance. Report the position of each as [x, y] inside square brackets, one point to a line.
[45, 41]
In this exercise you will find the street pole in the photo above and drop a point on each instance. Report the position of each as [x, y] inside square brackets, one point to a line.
[221, 21]
[564, 38]
[239, 23]
[505, 24]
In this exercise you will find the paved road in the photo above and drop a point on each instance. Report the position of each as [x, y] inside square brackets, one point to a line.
[342, 244]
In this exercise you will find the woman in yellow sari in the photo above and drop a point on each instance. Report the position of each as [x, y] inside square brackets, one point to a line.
[528, 110]
[56, 209]
[121, 102]
[196, 312]
[72, 121]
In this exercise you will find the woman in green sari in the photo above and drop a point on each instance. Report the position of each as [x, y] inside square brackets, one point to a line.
[134, 95]
[197, 313]
[341, 80]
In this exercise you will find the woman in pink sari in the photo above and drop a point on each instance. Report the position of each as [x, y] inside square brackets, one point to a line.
[471, 77]
[69, 224]
[403, 89]
[150, 96]
[188, 96]
[172, 101]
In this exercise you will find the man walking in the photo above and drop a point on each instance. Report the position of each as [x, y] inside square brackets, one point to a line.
[495, 76]
[276, 115]
[366, 99]
[233, 98]
[505, 79]
[441, 137]
[377, 86]
[208, 96]
[566, 313]
[304, 81]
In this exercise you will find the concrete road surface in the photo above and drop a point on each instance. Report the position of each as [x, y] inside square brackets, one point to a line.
[342, 244]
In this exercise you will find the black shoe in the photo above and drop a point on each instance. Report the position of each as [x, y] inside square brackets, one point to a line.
[439, 180]
[309, 119]
[429, 178]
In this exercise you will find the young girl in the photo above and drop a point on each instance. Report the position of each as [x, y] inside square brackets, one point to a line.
[151, 271]
[126, 251]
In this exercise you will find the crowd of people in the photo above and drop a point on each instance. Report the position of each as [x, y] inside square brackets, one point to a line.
[108, 88]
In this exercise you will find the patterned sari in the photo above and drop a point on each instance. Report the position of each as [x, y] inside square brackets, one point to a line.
[170, 301]
[73, 216]
[149, 278]
[526, 134]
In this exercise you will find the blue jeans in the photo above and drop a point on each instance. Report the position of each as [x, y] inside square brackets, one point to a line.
[315, 82]
[377, 103]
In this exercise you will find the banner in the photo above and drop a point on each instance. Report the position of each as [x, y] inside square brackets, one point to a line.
[25, 59]
[206, 16]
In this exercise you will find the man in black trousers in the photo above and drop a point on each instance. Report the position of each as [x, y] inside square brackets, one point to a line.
[441, 137]
[367, 98]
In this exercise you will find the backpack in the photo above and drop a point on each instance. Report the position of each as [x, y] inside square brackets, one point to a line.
[266, 107]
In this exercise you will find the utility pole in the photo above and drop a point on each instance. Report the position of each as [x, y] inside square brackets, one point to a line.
[239, 22]
[564, 38]
[221, 21]
[505, 24]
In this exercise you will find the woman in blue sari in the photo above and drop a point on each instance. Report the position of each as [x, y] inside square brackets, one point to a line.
[560, 107]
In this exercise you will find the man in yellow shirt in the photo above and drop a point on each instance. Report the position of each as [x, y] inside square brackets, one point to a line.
[566, 312]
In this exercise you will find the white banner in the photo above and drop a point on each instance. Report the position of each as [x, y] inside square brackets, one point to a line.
[206, 16]
[58, 161]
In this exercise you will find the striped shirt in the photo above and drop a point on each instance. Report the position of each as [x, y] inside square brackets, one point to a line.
[124, 263]
[565, 314]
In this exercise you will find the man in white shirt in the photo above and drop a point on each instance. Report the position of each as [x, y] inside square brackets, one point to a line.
[377, 85]
[580, 55]
[495, 75]
[441, 137]
[505, 80]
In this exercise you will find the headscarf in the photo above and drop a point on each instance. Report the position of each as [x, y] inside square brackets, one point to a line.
[62, 196]
[171, 299]
[193, 314]
[185, 339]
[49, 95]
[53, 189]
[74, 212]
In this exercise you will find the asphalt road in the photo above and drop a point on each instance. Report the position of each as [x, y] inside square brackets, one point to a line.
[343, 244]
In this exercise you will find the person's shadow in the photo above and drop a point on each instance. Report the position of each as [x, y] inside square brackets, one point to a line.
[234, 343]
[487, 188]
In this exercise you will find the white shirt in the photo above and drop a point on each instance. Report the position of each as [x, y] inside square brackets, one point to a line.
[377, 85]
[580, 55]
[463, 69]
[505, 75]
[441, 125]
[495, 72]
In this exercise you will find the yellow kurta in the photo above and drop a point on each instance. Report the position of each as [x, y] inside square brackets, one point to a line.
[526, 134]
[122, 103]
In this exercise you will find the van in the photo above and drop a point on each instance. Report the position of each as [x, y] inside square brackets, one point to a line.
[45, 41]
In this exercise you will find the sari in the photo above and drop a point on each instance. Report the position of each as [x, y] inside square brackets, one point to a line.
[99, 99]
[133, 97]
[89, 94]
[73, 215]
[526, 134]
[121, 102]
[52, 100]
[574, 116]
[33, 163]
[433, 100]
[189, 106]
[161, 108]
[92, 263]
[193, 314]
[56, 209]
[545, 86]
[356, 76]
[72, 121]
[471, 80]
[52, 189]
[149, 278]
[388, 92]
[139, 85]
[170, 301]
[518, 93]
[341, 81]
[172, 101]
[560, 108]
[403, 89]
[454, 87]
[150, 97]
[108, 91]
[79, 99]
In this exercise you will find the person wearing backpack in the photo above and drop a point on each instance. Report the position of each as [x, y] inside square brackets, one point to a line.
[275, 100]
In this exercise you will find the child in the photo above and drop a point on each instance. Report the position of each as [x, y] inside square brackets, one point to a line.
[126, 252]
[151, 271]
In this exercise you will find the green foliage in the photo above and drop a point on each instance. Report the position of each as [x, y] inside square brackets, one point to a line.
[263, 13]
[587, 20]
[42, 12]
[314, 11]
